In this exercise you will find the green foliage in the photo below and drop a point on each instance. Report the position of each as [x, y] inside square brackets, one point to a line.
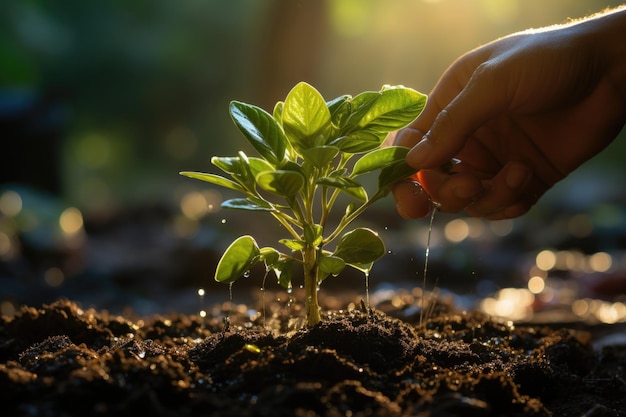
[310, 151]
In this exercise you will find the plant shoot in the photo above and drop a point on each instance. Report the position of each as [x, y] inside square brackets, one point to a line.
[309, 152]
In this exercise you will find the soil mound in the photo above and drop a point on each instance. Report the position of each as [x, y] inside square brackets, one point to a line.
[61, 360]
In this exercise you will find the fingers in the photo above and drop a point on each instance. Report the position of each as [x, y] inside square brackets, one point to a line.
[511, 193]
[475, 104]
[452, 192]
[411, 200]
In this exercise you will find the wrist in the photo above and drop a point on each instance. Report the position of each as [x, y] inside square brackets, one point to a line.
[606, 33]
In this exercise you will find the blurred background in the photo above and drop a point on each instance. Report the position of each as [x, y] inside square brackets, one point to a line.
[103, 103]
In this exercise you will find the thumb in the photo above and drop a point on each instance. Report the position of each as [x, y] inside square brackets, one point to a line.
[454, 125]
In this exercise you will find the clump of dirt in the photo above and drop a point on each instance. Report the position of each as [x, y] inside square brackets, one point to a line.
[61, 360]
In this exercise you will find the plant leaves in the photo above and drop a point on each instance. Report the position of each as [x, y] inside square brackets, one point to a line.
[245, 204]
[284, 272]
[359, 106]
[395, 172]
[238, 258]
[340, 110]
[238, 167]
[285, 183]
[213, 179]
[320, 156]
[360, 246]
[365, 268]
[228, 164]
[258, 165]
[295, 245]
[313, 234]
[395, 108]
[261, 130]
[305, 117]
[347, 185]
[269, 256]
[330, 264]
[357, 142]
[379, 159]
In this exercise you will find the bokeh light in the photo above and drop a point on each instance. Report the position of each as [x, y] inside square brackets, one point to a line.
[546, 260]
[456, 230]
[71, 221]
[10, 203]
[510, 303]
[54, 277]
[536, 284]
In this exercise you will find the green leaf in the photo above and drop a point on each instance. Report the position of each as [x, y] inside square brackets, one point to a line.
[228, 164]
[293, 244]
[359, 106]
[357, 142]
[284, 272]
[213, 179]
[238, 258]
[339, 109]
[269, 255]
[338, 103]
[330, 264]
[395, 108]
[360, 246]
[258, 165]
[365, 268]
[305, 117]
[313, 234]
[378, 159]
[261, 130]
[245, 204]
[347, 185]
[393, 173]
[285, 183]
[320, 156]
[278, 111]
[238, 167]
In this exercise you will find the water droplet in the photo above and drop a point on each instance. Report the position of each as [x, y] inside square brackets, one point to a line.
[246, 274]
[289, 290]
[223, 221]
[201, 292]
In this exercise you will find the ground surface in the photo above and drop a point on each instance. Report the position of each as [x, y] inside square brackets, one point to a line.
[61, 360]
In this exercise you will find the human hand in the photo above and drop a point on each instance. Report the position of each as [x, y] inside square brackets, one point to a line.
[519, 114]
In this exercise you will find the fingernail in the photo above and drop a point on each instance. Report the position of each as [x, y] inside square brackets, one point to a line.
[419, 153]
[516, 178]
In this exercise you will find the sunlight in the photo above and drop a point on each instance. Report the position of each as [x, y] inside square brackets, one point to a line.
[501, 12]
[349, 17]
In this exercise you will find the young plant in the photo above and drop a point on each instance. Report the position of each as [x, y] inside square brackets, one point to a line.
[311, 151]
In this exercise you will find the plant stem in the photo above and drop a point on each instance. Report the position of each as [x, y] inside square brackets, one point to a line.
[312, 307]
[347, 220]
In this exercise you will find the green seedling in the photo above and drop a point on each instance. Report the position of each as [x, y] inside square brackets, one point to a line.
[309, 152]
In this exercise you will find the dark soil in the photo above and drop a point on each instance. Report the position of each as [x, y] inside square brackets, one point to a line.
[61, 360]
